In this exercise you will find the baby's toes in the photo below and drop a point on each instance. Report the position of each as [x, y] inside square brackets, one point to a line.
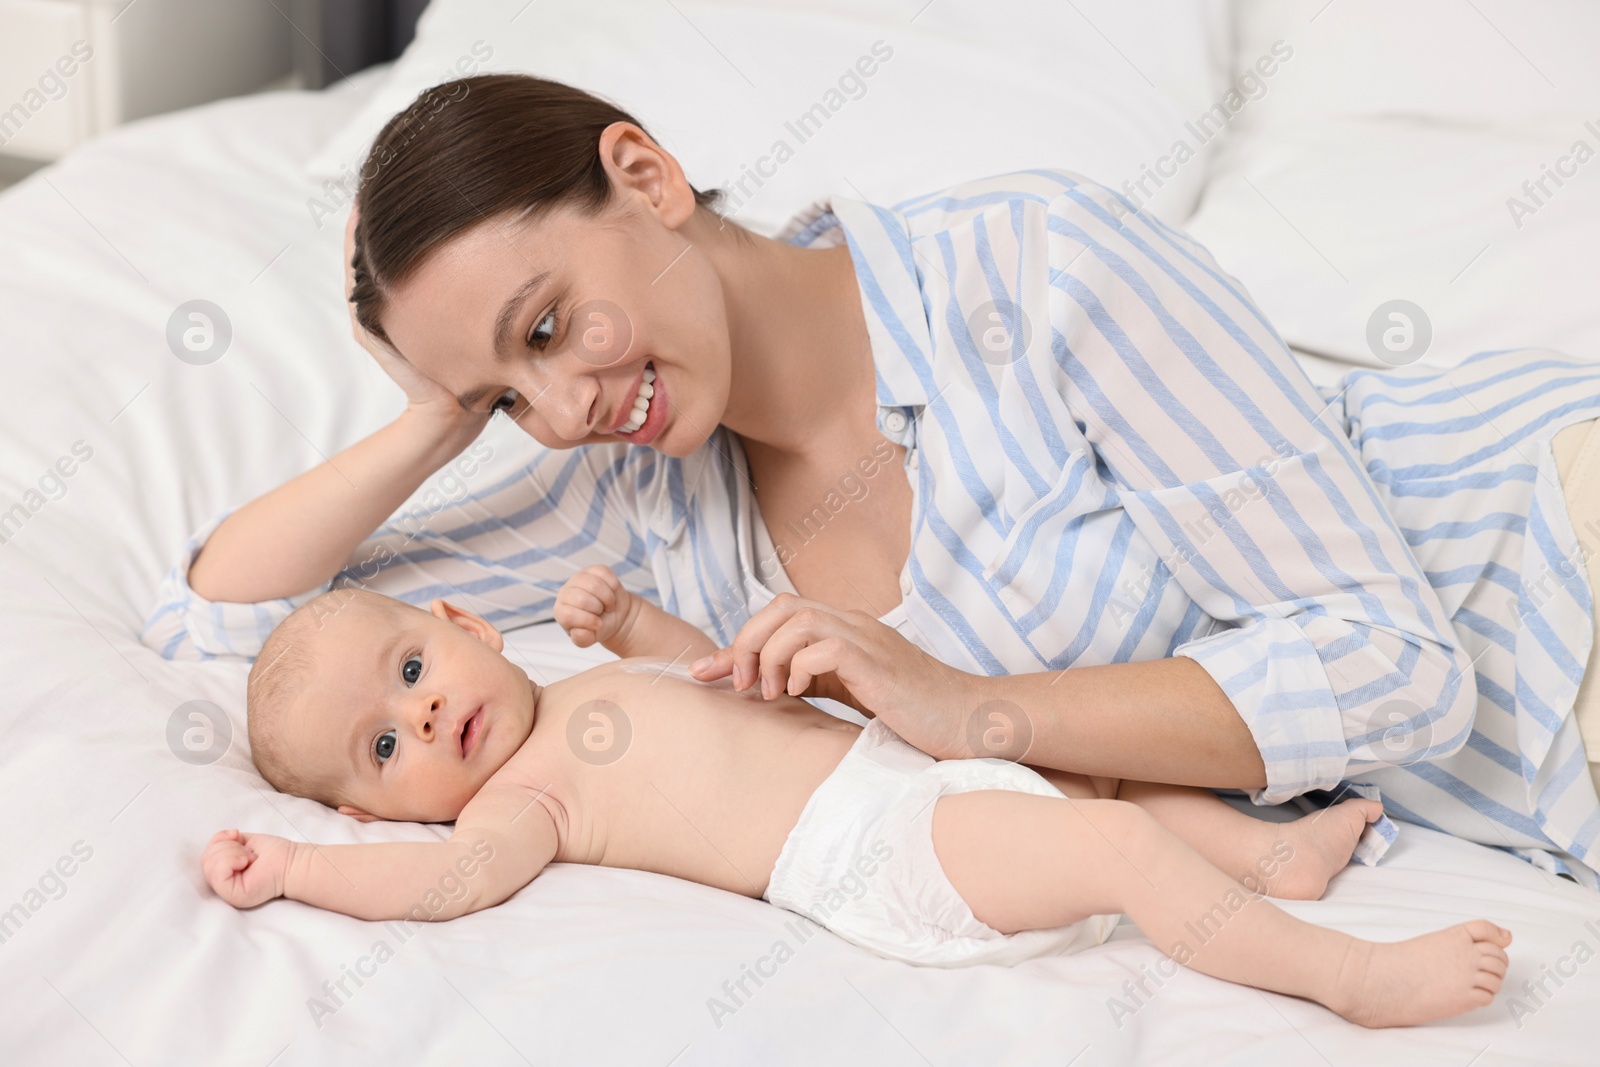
[1489, 980]
[1485, 932]
[1492, 966]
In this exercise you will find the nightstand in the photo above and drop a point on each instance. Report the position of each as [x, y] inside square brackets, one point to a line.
[72, 69]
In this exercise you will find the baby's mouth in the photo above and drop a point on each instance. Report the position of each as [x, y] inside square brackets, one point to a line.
[471, 732]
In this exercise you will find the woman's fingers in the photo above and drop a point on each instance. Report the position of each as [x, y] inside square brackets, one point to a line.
[752, 638]
[764, 649]
[713, 667]
[805, 627]
[827, 656]
[744, 653]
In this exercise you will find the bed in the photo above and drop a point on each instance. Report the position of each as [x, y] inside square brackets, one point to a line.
[112, 949]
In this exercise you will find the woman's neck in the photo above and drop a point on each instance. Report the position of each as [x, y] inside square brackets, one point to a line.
[801, 362]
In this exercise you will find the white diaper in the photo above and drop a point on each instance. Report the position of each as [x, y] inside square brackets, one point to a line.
[861, 862]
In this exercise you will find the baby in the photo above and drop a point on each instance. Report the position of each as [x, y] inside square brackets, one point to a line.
[386, 711]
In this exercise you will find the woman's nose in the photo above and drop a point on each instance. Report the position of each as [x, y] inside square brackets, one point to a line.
[569, 406]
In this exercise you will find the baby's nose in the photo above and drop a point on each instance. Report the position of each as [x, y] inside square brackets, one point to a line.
[427, 714]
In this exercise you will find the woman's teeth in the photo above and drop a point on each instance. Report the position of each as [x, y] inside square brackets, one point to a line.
[641, 403]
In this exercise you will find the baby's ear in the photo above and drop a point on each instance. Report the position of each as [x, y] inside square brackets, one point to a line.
[476, 625]
[356, 813]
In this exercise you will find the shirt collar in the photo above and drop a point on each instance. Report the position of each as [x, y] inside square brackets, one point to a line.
[891, 293]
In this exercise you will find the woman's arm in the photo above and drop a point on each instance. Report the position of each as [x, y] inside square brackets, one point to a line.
[303, 533]
[1157, 721]
[501, 549]
[1162, 720]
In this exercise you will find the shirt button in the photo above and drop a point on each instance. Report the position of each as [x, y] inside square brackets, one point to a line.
[894, 422]
[913, 459]
[905, 583]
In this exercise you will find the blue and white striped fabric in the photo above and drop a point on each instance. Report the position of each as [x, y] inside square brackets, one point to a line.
[1464, 463]
[1113, 458]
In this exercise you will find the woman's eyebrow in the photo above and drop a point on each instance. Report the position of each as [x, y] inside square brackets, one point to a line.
[502, 334]
[508, 313]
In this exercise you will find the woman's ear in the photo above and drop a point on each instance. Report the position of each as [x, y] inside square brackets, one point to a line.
[356, 813]
[635, 162]
[475, 625]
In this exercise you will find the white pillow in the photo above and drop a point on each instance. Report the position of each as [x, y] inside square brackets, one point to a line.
[956, 90]
[1471, 61]
[1387, 161]
[1359, 212]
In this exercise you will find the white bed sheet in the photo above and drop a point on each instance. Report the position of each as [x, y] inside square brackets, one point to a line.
[137, 962]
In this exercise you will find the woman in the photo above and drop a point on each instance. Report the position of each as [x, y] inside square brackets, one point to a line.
[1012, 466]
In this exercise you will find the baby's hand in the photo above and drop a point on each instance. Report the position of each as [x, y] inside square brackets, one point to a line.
[594, 606]
[246, 869]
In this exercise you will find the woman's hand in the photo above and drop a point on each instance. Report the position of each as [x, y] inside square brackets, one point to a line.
[429, 402]
[806, 648]
[246, 869]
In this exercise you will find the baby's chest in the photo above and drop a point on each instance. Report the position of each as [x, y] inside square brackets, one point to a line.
[658, 777]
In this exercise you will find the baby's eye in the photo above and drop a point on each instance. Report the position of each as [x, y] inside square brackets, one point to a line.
[541, 337]
[411, 670]
[383, 748]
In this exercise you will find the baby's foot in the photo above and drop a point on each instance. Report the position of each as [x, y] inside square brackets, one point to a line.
[1435, 976]
[1305, 854]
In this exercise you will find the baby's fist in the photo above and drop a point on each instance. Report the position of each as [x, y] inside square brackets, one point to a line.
[594, 606]
[246, 869]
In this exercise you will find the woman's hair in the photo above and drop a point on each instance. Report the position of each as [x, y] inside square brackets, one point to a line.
[467, 151]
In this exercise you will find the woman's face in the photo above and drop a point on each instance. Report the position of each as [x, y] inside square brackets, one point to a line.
[555, 320]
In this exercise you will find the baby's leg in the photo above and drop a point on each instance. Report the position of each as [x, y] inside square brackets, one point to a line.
[1109, 856]
[1293, 860]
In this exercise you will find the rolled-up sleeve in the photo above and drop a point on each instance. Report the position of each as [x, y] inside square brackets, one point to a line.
[1325, 635]
[503, 552]
[186, 626]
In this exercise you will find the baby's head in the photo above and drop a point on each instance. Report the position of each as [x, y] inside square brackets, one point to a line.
[383, 710]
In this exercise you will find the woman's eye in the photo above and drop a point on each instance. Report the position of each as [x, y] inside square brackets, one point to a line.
[540, 336]
[411, 670]
[507, 402]
[383, 748]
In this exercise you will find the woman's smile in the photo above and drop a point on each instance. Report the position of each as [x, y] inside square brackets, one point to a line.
[647, 415]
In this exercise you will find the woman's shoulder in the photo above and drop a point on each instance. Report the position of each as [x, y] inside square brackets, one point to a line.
[960, 203]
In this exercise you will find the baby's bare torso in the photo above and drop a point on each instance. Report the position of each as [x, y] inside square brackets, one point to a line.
[663, 773]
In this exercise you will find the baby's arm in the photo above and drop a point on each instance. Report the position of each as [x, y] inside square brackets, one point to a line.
[594, 605]
[501, 842]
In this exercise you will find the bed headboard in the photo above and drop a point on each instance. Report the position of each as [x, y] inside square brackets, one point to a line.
[339, 37]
